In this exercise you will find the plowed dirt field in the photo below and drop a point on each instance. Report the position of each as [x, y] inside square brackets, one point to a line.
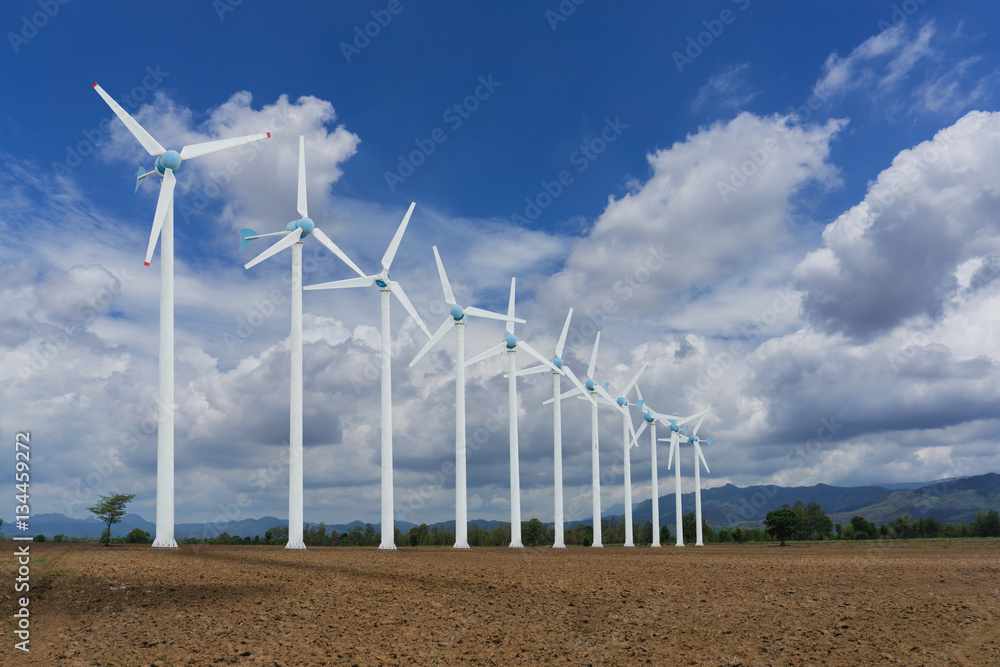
[899, 603]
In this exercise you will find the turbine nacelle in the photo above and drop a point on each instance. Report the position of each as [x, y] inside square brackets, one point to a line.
[304, 224]
[169, 160]
[557, 362]
[674, 427]
[382, 278]
[510, 341]
[648, 416]
[457, 312]
[591, 385]
[622, 401]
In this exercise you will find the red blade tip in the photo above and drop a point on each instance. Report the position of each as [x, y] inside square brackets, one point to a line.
[146, 263]
[268, 134]
[95, 84]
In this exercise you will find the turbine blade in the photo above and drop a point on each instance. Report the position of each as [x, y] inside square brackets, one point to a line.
[698, 425]
[332, 247]
[449, 296]
[342, 284]
[685, 420]
[438, 335]
[593, 357]
[148, 142]
[635, 440]
[303, 206]
[499, 347]
[164, 204]
[673, 446]
[638, 394]
[290, 239]
[701, 456]
[628, 387]
[531, 370]
[247, 236]
[537, 355]
[580, 388]
[479, 312]
[206, 147]
[400, 294]
[562, 336]
[390, 253]
[510, 308]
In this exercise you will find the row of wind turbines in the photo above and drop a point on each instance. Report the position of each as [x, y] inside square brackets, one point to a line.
[293, 236]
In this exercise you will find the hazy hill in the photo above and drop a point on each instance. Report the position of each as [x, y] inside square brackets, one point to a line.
[950, 501]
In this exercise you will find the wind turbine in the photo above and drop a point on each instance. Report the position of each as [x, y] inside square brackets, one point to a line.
[511, 344]
[591, 391]
[675, 450]
[294, 236]
[457, 317]
[694, 440]
[650, 417]
[167, 162]
[628, 441]
[562, 369]
[386, 287]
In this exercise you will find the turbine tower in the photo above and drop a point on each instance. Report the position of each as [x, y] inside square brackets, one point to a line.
[675, 450]
[167, 162]
[560, 542]
[700, 456]
[457, 317]
[650, 417]
[628, 441]
[386, 287]
[294, 236]
[591, 391]
[511, 344]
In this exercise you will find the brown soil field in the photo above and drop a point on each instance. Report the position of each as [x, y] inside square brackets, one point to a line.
[899, 603]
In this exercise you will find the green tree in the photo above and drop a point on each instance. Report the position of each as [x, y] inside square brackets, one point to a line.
[38, 538]
[137, 536]
[534, 533]
[110, 510]
[664, 534]
[987, 524]
[864, 529]
[781, 523]
[59, 538]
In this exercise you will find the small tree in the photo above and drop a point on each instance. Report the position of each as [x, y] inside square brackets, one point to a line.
[110, 510]
[137, 536]
[781, 523]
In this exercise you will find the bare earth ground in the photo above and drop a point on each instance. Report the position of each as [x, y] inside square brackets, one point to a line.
[916, 603]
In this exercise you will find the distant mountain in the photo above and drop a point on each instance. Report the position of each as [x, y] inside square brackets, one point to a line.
[955, 500]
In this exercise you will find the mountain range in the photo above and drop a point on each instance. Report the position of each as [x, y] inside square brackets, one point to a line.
[955, 500]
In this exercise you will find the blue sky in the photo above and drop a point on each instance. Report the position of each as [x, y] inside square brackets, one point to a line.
[787, 210]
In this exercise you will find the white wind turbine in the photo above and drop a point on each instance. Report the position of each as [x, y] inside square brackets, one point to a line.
[294, 236]
[675, 451]
[457, 317]
[591, 391]
[386, 287]
[628, 441]
[560, 542]
[511, 344]
[650, 417]
[167, 162]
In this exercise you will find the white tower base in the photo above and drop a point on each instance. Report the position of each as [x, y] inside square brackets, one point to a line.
[560, 542]
[461, 499]
[515, 471]
[656, 487]
[595, 465]
[388, 526]
[165, 408]
[629, 537]
[677, 496]
[295, 492]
